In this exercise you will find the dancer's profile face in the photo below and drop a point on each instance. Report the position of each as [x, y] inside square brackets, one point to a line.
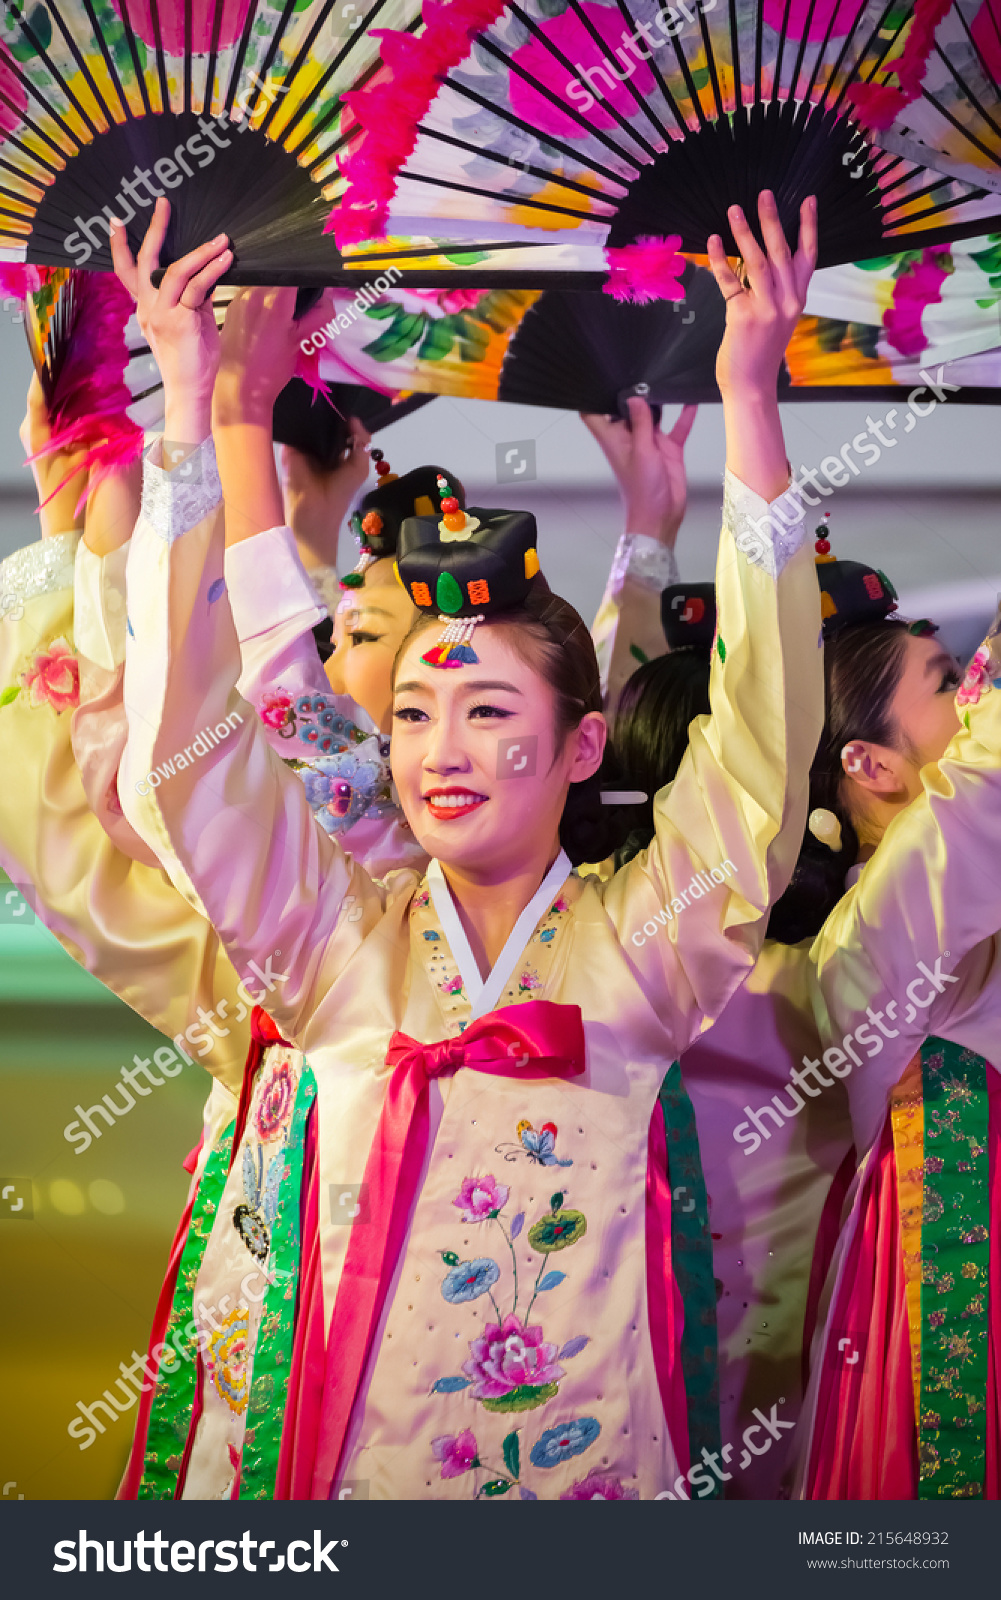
[923, 707]
[475, 757]
[367, 634]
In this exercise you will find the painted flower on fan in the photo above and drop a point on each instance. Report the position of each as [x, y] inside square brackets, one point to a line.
[275, 709]
[276, 1102]
[918, 286]
[598, 1486]
[562, 1444]
[481, 1198]
[978, 678]
[457, 1453]
[467, 1280]
[54, 677]
[450, 300]
[509, 1356]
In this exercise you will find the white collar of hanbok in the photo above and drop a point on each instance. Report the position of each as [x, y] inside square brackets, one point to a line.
[484, 993]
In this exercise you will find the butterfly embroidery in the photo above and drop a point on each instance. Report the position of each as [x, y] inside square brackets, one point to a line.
[539, 1147]
[254, 1218]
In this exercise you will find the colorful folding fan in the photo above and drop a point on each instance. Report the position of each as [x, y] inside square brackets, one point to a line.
[232, 109]
[628, 127]
[868, 329]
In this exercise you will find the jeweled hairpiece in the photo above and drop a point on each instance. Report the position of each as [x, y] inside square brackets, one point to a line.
[850, 592]
[377, 521]
[467, 566]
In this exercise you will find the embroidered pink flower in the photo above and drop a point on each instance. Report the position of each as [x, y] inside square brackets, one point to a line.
[54, 677]
[276, 1103]
[456, 1452]
[598, 1486]
[558, 906]
[452, 985]
[977, 680]
[479, 1196]
[528, 981]
[275, 708]
[509, 1356]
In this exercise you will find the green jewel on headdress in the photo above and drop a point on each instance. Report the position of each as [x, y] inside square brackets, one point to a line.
[466, 573]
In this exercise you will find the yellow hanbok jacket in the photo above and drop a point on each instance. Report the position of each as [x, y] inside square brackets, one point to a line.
[649, 958]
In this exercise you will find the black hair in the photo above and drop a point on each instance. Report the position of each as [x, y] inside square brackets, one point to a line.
[395, 502]
[656, 709]
[323, 633]
[863, 664]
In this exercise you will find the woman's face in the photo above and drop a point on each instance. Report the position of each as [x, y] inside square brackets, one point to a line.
[474, 758]
[924, 715]
[367, 634]
[924, 704]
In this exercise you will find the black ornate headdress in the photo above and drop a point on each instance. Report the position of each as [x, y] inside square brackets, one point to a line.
[466, 566]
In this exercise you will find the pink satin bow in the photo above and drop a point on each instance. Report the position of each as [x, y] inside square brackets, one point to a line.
[535, 1040]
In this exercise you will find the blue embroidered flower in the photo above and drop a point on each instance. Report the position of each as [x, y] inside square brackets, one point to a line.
[469, 1280]
[340, 788]
[559, 1444]
[431, 936]
[547, 934]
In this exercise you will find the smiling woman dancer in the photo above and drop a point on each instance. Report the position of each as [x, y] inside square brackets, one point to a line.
[437, 1352]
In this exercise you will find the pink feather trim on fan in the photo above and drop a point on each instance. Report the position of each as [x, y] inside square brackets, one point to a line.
[389, 111]
[646, 270]
[89, 405]
[17, 282]
[877, 104]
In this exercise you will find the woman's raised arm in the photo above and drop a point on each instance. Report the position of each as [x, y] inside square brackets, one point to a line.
[227, 818]
[691, 910]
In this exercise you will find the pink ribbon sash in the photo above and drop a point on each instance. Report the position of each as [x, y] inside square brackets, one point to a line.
[536, 1040]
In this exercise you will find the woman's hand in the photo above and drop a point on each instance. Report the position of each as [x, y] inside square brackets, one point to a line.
[318, 498]
[762, 312]
[760, 318]
[649, 467]
[60, 478]
[177, 319]
[260, 346]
